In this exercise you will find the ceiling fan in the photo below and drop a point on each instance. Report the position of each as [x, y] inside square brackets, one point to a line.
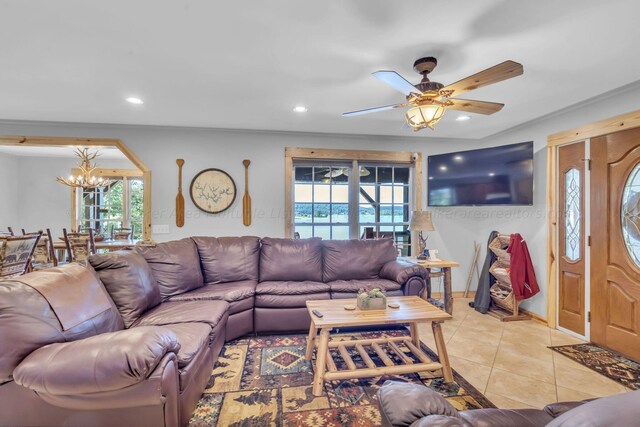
[430, 100]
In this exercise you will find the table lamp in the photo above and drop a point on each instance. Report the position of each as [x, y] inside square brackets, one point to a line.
[421, 222]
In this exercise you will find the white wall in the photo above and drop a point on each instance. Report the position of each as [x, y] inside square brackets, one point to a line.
[9, 192]
[457, 228]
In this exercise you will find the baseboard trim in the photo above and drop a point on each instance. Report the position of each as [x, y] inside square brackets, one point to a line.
[534, 316]
[457, 294]
[472, 294]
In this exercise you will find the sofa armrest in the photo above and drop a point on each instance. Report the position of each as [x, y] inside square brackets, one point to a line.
[401, 404]
[101, 363]
[400, 271]
[558, 408]
[439, 421]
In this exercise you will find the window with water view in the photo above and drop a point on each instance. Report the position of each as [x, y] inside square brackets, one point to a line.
[334, 203]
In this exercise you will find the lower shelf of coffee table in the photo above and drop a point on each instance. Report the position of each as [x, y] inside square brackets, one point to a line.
[377, 346]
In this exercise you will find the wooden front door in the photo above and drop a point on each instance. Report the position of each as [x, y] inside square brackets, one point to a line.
[571, 264]
[615, 231]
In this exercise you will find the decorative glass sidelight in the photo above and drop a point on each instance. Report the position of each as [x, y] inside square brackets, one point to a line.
[630, 214]
[572, 214]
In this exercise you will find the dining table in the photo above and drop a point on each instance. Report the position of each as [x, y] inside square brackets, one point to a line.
[103, 245]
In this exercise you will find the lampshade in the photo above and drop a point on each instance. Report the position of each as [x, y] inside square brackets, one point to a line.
[421, 221]
[424, 116]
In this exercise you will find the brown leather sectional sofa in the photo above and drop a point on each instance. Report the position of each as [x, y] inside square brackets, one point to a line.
[404, 404]
[131, 339]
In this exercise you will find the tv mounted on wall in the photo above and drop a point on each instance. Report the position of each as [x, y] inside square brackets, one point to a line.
[500, 175]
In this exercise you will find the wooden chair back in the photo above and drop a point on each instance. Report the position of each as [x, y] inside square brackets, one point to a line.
[44, 254]
[16, 253]
[79, 245]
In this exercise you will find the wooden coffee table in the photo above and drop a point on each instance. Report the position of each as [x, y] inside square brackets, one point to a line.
[413, 310]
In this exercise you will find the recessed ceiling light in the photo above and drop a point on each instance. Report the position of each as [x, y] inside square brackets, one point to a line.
[491, 174]
[134, 100]
[430, 177]
[300, 109]
[463, 118]
[457, 158]
[443, 168]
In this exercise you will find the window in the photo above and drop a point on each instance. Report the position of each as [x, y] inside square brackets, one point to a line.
[384, 202]
[630, 215]
[329, 200]
[572, 214]
[116, 206]
[322, 201]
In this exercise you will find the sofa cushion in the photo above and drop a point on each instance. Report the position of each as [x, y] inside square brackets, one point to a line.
[289, 259]
[230, 292]
[129, 281]
[288, 301]
[356, 259]
[353, 286]
[171, 312]
[228, 259]
[175, 266]
[618, 410]
[288, 287]
[351, 295]
[27, 321]
[192, 337]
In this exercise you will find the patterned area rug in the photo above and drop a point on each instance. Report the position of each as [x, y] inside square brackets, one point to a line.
[604, 361]
[266, 381]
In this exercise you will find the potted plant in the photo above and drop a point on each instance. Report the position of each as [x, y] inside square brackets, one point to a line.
[372, 299]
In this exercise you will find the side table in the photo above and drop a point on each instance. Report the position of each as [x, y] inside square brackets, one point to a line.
[445, 266]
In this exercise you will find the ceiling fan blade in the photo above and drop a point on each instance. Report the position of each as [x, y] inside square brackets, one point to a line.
[478, 107]
[396, 81]
[374, 110]
[495, 74]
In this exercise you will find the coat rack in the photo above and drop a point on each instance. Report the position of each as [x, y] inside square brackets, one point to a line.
[504, 304]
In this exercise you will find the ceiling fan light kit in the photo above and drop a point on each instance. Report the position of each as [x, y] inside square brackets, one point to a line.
[429, 100]
[424, 116]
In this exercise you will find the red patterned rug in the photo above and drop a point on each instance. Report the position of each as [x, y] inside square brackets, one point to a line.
[266, 381]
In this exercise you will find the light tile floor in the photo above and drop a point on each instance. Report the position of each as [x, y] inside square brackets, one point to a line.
[510, 363]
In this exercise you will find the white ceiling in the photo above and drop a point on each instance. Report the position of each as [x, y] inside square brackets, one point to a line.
[246, 64]
[64, 152]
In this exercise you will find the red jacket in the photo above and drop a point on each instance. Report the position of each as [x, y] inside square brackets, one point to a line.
[523, 278]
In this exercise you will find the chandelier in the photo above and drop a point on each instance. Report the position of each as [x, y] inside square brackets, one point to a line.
[85, 179]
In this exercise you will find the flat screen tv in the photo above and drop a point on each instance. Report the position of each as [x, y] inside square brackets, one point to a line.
[500, 175]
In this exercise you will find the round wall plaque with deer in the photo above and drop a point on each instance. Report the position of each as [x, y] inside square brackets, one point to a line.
[213, 190]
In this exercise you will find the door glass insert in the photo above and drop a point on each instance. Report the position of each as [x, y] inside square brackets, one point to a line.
[572, 214]
[630, 214]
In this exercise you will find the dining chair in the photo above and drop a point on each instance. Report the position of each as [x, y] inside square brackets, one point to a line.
[44, 255]
[79, 245]
[10, 231]
[123, 233]
[16, 253]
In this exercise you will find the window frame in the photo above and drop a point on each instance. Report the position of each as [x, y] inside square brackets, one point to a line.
[126, 175]
[312, 156]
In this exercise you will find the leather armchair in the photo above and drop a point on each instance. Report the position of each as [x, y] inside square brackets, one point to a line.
[403, 404]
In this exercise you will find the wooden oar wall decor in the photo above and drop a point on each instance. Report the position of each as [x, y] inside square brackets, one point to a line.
[246, 200]
[179, 197]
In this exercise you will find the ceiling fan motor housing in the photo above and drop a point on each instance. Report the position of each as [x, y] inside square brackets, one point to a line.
[425, 65]
[429, 86]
